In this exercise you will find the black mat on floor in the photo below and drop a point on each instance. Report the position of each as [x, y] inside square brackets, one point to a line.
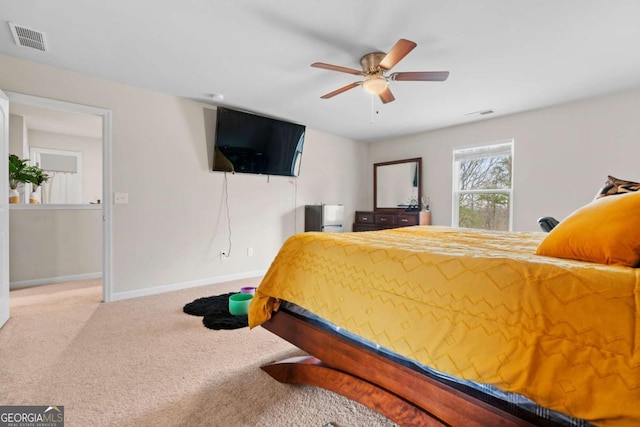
[215, 312]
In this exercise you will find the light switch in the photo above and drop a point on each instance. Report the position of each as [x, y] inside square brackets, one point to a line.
[120, 198]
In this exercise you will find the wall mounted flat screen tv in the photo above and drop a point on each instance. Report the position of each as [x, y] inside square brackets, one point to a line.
[248, 143]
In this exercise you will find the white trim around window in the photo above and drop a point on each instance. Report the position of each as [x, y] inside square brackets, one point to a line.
[480, 151]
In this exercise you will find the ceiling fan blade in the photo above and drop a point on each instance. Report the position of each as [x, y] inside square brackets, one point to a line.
[386, 96]
[339, 91]
[397, 52]
[423, 76]
[337, 68]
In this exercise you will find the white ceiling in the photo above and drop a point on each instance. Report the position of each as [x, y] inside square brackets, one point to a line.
[62, 122]
[507, 56]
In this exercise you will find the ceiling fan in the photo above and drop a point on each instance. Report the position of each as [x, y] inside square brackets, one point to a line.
[374, 66]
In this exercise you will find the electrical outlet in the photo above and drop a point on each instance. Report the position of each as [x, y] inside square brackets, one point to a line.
[249, 251]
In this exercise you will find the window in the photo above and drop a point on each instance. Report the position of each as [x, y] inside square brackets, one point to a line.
[65, 172]
[483, 186]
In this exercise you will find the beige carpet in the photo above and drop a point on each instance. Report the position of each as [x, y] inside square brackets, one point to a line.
[143, 362]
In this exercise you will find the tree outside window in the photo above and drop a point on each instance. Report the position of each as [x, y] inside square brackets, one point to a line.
[483, 178]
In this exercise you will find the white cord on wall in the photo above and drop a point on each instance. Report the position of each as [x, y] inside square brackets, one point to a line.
[225, 189]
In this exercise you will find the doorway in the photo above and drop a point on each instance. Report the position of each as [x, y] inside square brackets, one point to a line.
[104, 199]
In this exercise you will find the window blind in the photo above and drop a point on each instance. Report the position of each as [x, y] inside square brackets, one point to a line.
[495, 150]
[58, 163]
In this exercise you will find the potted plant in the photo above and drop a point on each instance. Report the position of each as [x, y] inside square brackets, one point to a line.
[36, 177]
[17, 175]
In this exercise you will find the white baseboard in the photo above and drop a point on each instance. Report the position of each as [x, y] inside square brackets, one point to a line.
[50, 280]
[118, 296]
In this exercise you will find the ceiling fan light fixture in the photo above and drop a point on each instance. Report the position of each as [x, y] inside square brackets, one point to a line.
[375, 84]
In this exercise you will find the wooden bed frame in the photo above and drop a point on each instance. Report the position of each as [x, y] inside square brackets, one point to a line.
[404, 395]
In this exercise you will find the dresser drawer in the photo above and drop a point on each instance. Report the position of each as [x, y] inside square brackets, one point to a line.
[364, 218]
[403, 220]
[385, 219]
[365, 227]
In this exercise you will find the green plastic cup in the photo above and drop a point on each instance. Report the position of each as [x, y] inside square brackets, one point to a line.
[239, 304]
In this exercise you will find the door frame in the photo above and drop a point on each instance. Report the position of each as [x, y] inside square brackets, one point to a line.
[4, 210]
[107, 195]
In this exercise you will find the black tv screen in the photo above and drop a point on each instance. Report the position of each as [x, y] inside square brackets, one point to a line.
[248, 143]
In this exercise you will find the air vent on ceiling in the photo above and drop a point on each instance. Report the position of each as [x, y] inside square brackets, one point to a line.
[28, 37]
[480, 113]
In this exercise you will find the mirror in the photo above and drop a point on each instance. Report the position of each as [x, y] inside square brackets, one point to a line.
[397, 185]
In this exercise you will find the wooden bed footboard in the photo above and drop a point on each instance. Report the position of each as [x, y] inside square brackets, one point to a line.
[404, 395]
[310, 370]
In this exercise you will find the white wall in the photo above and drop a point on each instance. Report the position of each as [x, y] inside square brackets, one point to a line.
[18, 145]
[331, 167]
[175, 224]
[563, 155]
[50, 244]
[91, 149]
[17, 135]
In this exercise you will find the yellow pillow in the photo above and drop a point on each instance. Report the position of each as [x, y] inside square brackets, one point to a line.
[604, 231]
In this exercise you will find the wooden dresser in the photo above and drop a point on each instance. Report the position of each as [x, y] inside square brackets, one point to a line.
[380, 220]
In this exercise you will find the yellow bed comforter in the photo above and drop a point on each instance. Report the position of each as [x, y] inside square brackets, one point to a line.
[477, 305]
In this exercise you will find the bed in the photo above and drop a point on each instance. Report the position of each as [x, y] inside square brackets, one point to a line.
[419, 323]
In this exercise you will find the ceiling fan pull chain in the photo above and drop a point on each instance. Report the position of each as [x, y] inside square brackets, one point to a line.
[372, 95]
